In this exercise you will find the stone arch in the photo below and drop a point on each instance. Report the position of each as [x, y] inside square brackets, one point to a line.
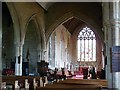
[74, 14]
[26, 25]
[17, 36]
[41, 37]
[31, 42]
[13, 39]
[16, 23]
[70, 15]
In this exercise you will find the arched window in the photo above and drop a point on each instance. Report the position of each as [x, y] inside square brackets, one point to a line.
[86, 45]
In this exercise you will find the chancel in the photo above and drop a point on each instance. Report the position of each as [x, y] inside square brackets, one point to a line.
[60, 45]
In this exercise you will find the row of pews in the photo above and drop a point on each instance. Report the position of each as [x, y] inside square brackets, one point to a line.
[40, 83]
[77, 84]
[23, 82]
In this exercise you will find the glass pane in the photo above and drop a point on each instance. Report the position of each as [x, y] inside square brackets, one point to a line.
[94, 50]
[78, 50]
[82, 50]
[86, 45]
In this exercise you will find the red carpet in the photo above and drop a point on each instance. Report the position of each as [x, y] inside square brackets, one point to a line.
[78, 77]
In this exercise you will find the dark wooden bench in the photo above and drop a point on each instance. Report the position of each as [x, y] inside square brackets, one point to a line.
[102, 83]
[79, 84]
[76, 84]
[10, 80]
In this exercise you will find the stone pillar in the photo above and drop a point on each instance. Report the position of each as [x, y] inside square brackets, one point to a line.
[108, 40]
[115, 23]
[99, 62]
[16, 58]
[58, 49]
[52, 50]
[18, 64]
[39, 54]
[21, 59]
[0, 43]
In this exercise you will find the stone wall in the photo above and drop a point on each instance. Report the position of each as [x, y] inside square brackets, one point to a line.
[61, 48]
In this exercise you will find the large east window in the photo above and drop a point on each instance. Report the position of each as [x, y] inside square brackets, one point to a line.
[86, 45]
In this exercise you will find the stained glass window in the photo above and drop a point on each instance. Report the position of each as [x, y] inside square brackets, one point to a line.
[86, 45]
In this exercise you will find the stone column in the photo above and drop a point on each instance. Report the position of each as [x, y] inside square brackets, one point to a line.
[39, 54]
[0, 43]
[18, 64]
[21, 59]
[108, 40]
[115, 23]
[99, 62]
[58, 48]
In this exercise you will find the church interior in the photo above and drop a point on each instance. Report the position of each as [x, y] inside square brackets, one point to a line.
[60, 45]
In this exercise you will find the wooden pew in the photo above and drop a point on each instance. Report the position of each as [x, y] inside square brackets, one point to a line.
[70, 86]
[10, 80]
[102, 83]
[77, 84]
[69, 83]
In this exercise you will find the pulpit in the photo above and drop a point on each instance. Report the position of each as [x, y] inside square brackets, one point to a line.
[42, 68]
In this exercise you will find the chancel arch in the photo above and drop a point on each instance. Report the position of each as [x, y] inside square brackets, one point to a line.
[74, 10]
[74, 25]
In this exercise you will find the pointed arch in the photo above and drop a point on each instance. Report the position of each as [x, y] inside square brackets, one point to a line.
[87, 21]
[77, 15]
[16, 22]
[41, 37]
[31, 44]
[86, 43]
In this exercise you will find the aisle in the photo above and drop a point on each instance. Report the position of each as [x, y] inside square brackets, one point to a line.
[78, 77]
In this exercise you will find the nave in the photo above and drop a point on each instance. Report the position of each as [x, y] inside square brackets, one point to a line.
[37, 38]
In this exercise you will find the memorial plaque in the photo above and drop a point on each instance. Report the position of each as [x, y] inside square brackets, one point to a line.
[115, 59]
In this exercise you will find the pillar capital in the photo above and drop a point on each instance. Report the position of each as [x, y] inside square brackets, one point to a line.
[106, 23]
